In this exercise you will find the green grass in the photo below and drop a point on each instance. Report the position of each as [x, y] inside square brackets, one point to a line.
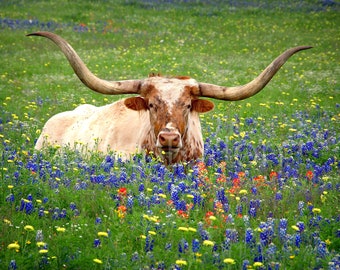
[213, 42]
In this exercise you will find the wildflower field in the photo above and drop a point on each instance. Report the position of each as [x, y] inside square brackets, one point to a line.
[264, 196]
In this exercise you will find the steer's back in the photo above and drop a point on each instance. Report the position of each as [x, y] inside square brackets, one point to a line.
[108, 128]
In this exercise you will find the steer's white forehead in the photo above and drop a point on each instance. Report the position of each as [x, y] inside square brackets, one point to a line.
[171, 89]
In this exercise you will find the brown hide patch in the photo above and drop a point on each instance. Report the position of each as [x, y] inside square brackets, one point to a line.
[202, 105]
[182, 77]
[149, 90]
[155, 75]
[136, 103]
[192, 90]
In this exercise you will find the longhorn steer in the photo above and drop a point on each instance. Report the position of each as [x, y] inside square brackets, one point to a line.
[163, 118]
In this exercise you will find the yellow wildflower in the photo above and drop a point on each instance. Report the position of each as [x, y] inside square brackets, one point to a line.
[296, 228]
[316, 210]
[154, 218]
[192, 229]
[229, 261]
[162, 195]
[243, 192]
[14, 245]
[257, 264]
[328, 242]
[208, 243]
[98, 261]
[105, 234]
[181, 262]
[60, 229]
[29, 228]
[7, 221]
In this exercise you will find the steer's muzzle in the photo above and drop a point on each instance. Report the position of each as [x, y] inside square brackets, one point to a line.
[169, 142]
[169, 139]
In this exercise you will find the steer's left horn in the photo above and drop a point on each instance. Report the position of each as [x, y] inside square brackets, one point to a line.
[251, 88]
[85, 75]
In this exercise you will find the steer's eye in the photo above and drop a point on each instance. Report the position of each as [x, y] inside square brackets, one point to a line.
[188, 106]
[151, 105]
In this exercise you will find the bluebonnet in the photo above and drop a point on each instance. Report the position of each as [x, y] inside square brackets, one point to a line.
[216, 257]
[12, 265]
[231, 234]
[149, 243]
[321, 249]
[129, 203]
[41, 212]
[226, 244]
[249, 237]
[203, 233]
[283, 228]
[220, 194]
[266, 233]
[142, 199]
[168, 246]
[183, 246]
[10, 198]
[271, 251]
[195, 245]
[301, 207]
[135, 256]
[39, 237]
[245, 265]
[141, 188]
[98, 220]
[73, 206]
[278, 196]
[96, 243]
[26, 206]
[301, 226]
[334, 264]
[252, 212]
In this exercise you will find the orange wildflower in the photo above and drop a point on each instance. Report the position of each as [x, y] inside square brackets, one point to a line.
[182, 214]
[273, 175]
[309, 175]
[122, 191]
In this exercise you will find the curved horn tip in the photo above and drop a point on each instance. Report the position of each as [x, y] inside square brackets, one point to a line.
[300, 48]
[40, 33]
[33, 34]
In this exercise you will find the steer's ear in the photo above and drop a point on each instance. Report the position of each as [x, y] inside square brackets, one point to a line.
[136, 103]
[202, 105]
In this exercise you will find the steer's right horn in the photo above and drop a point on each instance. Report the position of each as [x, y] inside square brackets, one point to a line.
[85, 75]
[251, 88]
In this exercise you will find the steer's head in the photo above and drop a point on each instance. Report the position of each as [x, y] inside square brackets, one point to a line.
[170, 103]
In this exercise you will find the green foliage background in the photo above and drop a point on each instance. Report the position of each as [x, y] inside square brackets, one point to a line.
[221, 42]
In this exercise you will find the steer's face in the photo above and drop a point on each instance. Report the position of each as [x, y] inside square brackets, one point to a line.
[170, 101]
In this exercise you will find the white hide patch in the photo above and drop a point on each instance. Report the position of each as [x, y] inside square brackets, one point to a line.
[172, 88]
[170, 126]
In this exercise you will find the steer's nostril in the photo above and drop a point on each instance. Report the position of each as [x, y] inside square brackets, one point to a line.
[162, 139]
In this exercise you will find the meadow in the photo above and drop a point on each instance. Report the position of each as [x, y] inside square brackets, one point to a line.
[264, 196]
